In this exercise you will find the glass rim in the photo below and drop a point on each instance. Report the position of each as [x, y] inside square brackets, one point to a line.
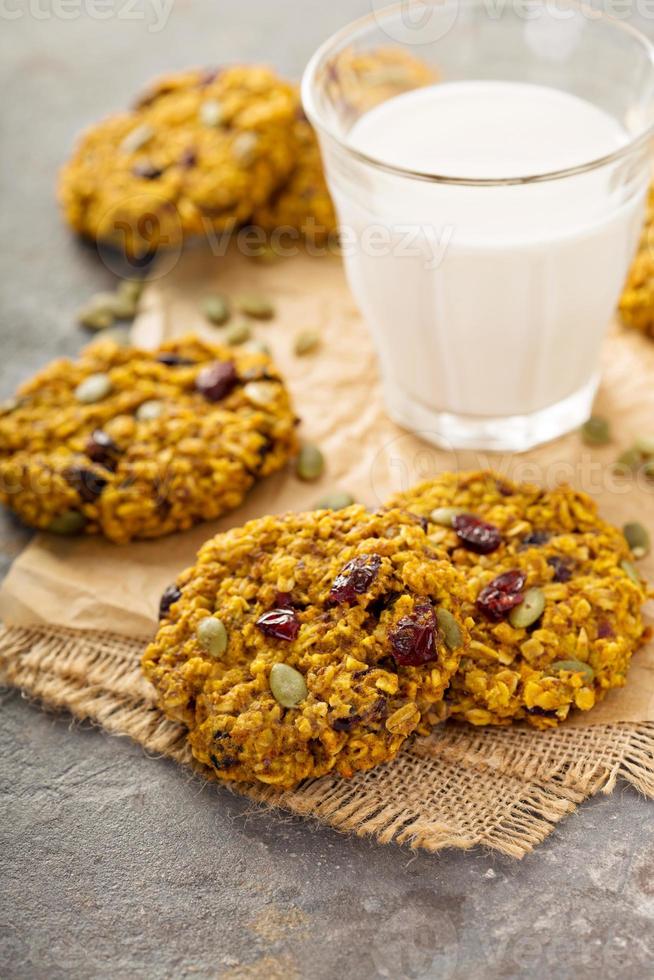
[354, 27]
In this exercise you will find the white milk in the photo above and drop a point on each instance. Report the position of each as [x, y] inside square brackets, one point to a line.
[500, 307]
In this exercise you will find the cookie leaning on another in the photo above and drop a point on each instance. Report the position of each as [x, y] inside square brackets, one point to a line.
[309, 644]
[556, 601]
[136, 444]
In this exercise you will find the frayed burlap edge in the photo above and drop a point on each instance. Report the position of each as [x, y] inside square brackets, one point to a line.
[504, 789]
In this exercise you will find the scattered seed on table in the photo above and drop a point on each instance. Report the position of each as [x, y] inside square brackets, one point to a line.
[258, 347]
[637, 538]
[258, 307]
[306, 342]
[645, 445]
[238, 333]
[216, 309]
[287, 685]
[336, 500]
[628, 461]
[93, 389]
[596, 431]
[131, 289]
[310, 463]
[95, 319]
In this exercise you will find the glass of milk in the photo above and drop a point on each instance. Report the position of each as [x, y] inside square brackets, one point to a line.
[489, 163]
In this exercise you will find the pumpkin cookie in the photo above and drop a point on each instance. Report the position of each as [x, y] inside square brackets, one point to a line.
[556, 600]
[201, 151]
[637, 302]
[136, 444]
[308, 644]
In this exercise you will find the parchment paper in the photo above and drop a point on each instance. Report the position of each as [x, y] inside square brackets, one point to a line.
[90, 584]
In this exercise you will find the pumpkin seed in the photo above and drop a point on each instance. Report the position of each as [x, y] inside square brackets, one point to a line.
[216, 309]
[244, 148]
[530, 609]
[264, 254]
[628, 461]
[451, 630]
[445, 515]
[576, 666]
[149, 411]
[306, 342]
[257, 347]
[212, 636]
[119, 335]
[258, 307]
[261, 393]
[211, 113]
[238, 333]
[310, 463]
[70, 522]
[131, 289]
[93, 389]
[596, 431]
[637, 538]
[648, 469]
[287, 685]
[336, 500]
[645, 445]
[630, 570]
[95, 318]
[137, 138]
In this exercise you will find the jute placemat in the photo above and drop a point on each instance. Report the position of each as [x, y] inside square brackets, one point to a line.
[504, 789]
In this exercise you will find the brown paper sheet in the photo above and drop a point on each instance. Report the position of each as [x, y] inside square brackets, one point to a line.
[90, 584]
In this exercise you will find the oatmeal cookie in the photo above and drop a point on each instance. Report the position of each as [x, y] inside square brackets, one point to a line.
[308, 644]
[556, 601]
[359, 80]
[201, 151]
[135, 444]
[637, 302]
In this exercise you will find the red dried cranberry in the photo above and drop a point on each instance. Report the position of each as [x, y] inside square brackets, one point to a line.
[502, 594]
[146, 170]
[283, 600]
[413, 638]
[477, 535]
[102, 449]
[216, 380]
[88, 484]
[355, 578]
[562, 568]
[604, 630]
[281, 624]
[170, 595]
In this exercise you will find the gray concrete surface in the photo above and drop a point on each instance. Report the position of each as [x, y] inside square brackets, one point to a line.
[117, 865]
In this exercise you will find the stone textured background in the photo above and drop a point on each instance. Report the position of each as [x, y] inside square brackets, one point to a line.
[118, 865]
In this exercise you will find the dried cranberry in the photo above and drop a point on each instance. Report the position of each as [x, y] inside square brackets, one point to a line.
[88, 484]
[355, 578]
[562, 568]
[502, 594]
[188, 159]
[604, 630]
[282, 624]
[146, 170]
[345, 724]
[536, 539]
[102, 449]
[170, 595]
[216, 380]
[172, 360]
[413, 638]
[283, 600]
[477, 535]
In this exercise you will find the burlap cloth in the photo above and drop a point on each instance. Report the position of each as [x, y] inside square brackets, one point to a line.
[77, 613]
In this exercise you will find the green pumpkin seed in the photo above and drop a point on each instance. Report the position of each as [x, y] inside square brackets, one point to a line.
[95, 318]
[93, 389]
[596, 431]
[310, 463]
[149, 411]
[287, 685]
[451, 630]
[137, 138]
[445, 515]
[216, 309]
[264, 254]
[244, 148]
[305, 342]
[212, 636]
[630, 570]
[628, 461]
[211, 113]
[336, 500]
[648, 469]
[70, 522]
[131, 289]
[119, 335]
[637, 538]
[118, 305]
[258, 307]
[576, 666]
[530, 609]
[238, 333]
[645, 445]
